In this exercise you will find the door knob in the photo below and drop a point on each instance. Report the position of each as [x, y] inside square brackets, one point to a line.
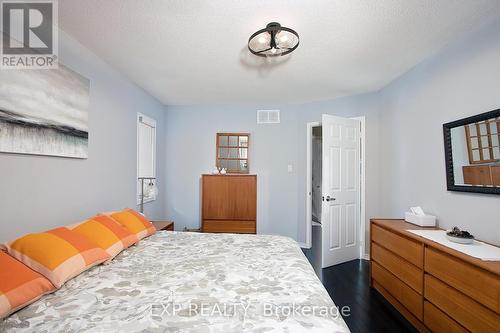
[329, 199]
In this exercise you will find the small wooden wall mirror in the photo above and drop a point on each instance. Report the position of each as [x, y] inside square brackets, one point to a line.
[232, 152]
[472, 147]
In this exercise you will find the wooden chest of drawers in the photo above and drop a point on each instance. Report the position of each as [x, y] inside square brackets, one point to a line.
[229, 203]
[482, 174]
[436, 288]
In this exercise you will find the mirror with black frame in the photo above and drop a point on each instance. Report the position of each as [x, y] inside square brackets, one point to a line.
[472, 148]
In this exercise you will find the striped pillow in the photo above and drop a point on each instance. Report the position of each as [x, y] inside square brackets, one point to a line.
[59, 254]
[19, 285]
[111, 236]
[135, 222]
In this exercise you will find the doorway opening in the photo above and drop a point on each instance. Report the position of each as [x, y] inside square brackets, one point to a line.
[316, 173]
[335, 200]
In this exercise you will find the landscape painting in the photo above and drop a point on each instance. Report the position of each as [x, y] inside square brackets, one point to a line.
[44, 112]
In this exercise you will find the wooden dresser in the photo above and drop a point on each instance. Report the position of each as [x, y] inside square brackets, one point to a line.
[436, 288]
[229, 203]
[482, 174]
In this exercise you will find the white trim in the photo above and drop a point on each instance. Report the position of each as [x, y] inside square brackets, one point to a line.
[365, 256]
[303, 245]
[362, 235]
[142, 118]
[146, 120]
[308, 242]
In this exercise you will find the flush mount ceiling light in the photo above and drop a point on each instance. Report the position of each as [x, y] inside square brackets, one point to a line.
[273, 41]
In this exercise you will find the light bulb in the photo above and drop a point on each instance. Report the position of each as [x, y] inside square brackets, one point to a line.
[284, 38]
[262, 40]
[273, 50]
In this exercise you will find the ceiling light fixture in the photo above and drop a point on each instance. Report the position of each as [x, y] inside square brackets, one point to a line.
[273, 41]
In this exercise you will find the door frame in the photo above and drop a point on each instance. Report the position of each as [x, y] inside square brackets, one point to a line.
[362, 216]
[308, 242]
[363, 254]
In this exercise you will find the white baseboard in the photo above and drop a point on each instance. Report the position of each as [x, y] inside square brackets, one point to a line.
[303, 245]
[365, 256]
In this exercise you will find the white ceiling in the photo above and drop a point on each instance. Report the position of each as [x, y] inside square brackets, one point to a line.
[194, 51]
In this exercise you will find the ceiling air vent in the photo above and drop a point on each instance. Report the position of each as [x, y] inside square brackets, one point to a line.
[268, 116]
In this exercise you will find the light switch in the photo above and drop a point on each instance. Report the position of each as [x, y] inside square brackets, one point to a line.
[290, 168]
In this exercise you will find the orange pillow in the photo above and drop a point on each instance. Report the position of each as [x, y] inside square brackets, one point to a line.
[59, 254]
[111, 236]
[19, 285]
[135, 222]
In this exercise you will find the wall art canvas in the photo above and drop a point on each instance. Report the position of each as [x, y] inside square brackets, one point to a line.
[44, 112]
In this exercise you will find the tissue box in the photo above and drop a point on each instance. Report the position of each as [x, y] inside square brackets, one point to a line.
[423, 221]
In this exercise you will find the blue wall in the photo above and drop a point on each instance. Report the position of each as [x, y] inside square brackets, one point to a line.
[41, 192]
[190, 144]
[405, 157]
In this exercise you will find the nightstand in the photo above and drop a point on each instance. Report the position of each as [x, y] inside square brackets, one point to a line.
[163, 225]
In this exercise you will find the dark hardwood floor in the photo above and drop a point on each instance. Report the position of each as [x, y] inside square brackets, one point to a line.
[348, 285]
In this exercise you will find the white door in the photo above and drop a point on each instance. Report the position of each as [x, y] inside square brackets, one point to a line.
[341, 190]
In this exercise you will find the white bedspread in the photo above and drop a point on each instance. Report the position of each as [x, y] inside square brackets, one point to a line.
[190, 282]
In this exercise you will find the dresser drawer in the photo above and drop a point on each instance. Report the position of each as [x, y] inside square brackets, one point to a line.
[437, 321]
[408, 297]
[229, 226]
[467, 312]
[481, 285]
[408, 273]
[404, 247]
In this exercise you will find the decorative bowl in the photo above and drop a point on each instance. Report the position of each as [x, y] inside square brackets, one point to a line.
[460, 240]
[459, 236]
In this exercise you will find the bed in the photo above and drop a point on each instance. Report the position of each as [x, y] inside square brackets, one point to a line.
[190, 282]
